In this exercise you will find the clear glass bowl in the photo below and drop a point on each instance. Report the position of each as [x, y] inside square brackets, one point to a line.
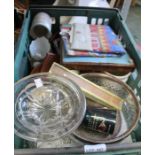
[47, 107]
[127, 118]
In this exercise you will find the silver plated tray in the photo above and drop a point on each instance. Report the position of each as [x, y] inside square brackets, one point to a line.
[127, 118]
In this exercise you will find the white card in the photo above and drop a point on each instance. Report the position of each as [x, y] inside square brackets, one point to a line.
[95, 148]
[38, 83]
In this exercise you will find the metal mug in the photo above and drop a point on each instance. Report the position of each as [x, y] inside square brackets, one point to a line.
[100, 120]
[41, 26]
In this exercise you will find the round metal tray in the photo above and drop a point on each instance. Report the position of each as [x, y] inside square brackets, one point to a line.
[47, 107]
[126, 119]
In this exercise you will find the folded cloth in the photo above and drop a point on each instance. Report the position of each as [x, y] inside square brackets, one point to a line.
[76, 53]
[104, 41]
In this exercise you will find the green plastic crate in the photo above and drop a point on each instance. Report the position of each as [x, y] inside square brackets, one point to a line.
[22, 68]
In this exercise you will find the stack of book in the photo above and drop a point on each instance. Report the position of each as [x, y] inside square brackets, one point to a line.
[85, 46]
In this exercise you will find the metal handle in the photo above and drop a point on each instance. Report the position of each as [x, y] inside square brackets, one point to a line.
[132, 147]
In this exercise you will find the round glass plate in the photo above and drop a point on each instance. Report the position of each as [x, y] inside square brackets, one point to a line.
[127, 118]
[47, 107]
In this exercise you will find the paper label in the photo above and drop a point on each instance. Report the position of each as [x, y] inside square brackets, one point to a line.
[38, 83]
[95, 148]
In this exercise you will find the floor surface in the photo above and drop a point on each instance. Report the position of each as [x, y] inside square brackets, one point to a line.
[134, 23]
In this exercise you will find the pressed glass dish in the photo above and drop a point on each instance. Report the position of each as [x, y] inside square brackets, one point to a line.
[47, 107]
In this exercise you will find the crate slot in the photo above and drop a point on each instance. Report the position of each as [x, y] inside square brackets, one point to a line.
[139, 83]
[135, 74]
[100, 21]
[135, 91]
[138, 98]
[93, 21]
[106, 21]
[120, 37]
[53, 20]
